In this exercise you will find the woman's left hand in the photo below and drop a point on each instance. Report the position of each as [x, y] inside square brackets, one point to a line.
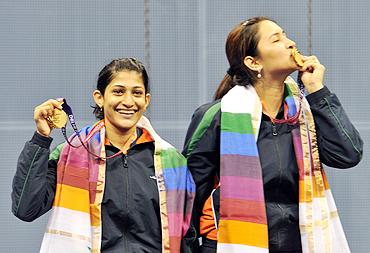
[312, 74]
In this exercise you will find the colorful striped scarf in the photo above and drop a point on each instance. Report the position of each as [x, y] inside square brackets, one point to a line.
[243, 222]
[75, 222]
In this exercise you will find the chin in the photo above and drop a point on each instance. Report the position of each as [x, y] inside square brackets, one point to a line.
[285, 72]
[124, 127]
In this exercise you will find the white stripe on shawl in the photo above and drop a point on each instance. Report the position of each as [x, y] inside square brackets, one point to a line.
[61, 244]
[67, 236]
[79, 225]
[338, 241]
[239, 248]
[145, 123]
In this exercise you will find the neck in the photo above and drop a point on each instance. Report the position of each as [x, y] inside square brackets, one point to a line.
[116, 136]
[271, 92]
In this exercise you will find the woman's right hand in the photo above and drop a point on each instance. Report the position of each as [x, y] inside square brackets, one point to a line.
[42, 112]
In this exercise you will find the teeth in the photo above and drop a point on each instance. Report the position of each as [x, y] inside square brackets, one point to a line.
[126, 112]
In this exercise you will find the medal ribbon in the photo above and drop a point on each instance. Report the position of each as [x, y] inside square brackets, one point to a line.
[96, 128]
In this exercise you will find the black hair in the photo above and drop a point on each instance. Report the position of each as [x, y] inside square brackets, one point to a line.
[110, 71]
[241, 42]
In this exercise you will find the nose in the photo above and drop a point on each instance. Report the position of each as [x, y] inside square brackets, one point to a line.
[128, 100]
[290, 43]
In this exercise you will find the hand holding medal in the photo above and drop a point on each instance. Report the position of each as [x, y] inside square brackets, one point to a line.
[311, 71]
[49, 115]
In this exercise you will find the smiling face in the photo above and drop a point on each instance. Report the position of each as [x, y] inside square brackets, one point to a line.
[275, 49]
[124, 101]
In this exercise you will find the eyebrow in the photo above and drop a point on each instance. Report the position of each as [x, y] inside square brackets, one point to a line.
[123, 86]
[277, 33]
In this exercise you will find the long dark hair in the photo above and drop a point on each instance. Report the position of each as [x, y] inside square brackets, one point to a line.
[110, 71]
[242, 41]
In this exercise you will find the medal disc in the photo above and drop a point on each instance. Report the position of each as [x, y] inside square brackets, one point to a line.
[58, 119]
[297, 57]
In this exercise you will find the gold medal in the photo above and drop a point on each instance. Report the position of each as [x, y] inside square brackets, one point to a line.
[58, 119]
[297, 57]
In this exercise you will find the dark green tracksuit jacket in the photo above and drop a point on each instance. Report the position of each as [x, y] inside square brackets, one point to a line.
[339, 143]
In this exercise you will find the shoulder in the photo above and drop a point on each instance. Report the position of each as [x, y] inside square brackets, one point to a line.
[205, 122]
[208, 109]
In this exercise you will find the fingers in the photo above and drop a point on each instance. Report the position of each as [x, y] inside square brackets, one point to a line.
[46, 109]
[55, 103]
[311, 63]
[42, 112]
[312, 73]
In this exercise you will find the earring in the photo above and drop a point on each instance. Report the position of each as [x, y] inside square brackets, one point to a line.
[259, 74]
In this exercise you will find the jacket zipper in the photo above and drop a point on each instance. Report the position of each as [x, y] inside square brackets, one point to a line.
[273, 128]
[275, 139]
[125, 174]
[126, 182]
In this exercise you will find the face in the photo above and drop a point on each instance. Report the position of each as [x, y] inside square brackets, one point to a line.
[124, 101]
[274, 49]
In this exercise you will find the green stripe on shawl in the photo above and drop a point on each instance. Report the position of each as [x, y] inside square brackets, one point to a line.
[240, 122]
[203, 126]
[287, 91]
[54, 155]
[172, 159]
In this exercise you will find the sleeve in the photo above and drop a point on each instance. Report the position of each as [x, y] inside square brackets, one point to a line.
[34, 182]
[340, 144]
[202, 144]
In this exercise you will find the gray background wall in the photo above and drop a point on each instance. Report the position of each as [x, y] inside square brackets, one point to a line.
[52, 48]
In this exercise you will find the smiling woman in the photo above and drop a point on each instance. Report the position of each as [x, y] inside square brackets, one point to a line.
[122, 96]
[125, 190]
[124, 102]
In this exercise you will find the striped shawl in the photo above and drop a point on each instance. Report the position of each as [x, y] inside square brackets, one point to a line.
[75, 222]
[243, 223]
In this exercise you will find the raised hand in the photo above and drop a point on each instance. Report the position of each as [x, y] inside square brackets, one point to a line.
[41, 114]
[312, 73]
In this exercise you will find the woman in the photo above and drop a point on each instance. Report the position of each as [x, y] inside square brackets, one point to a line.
[127, 191]
[255, 153]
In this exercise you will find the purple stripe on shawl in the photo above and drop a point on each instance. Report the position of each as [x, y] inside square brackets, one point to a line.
[78, 161]
[80, 157]
[244, 166]
[176, 201]
[95, 148]
[241, 188]
[298, 151]
[177, 226]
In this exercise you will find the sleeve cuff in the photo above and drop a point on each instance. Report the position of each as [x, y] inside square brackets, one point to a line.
[317, 96]
[43, 141]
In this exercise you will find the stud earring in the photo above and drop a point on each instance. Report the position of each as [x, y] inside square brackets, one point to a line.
[259, 74]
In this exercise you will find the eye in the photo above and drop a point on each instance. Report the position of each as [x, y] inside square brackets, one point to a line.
[275, 39]
[118, 91]
[138, 92]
